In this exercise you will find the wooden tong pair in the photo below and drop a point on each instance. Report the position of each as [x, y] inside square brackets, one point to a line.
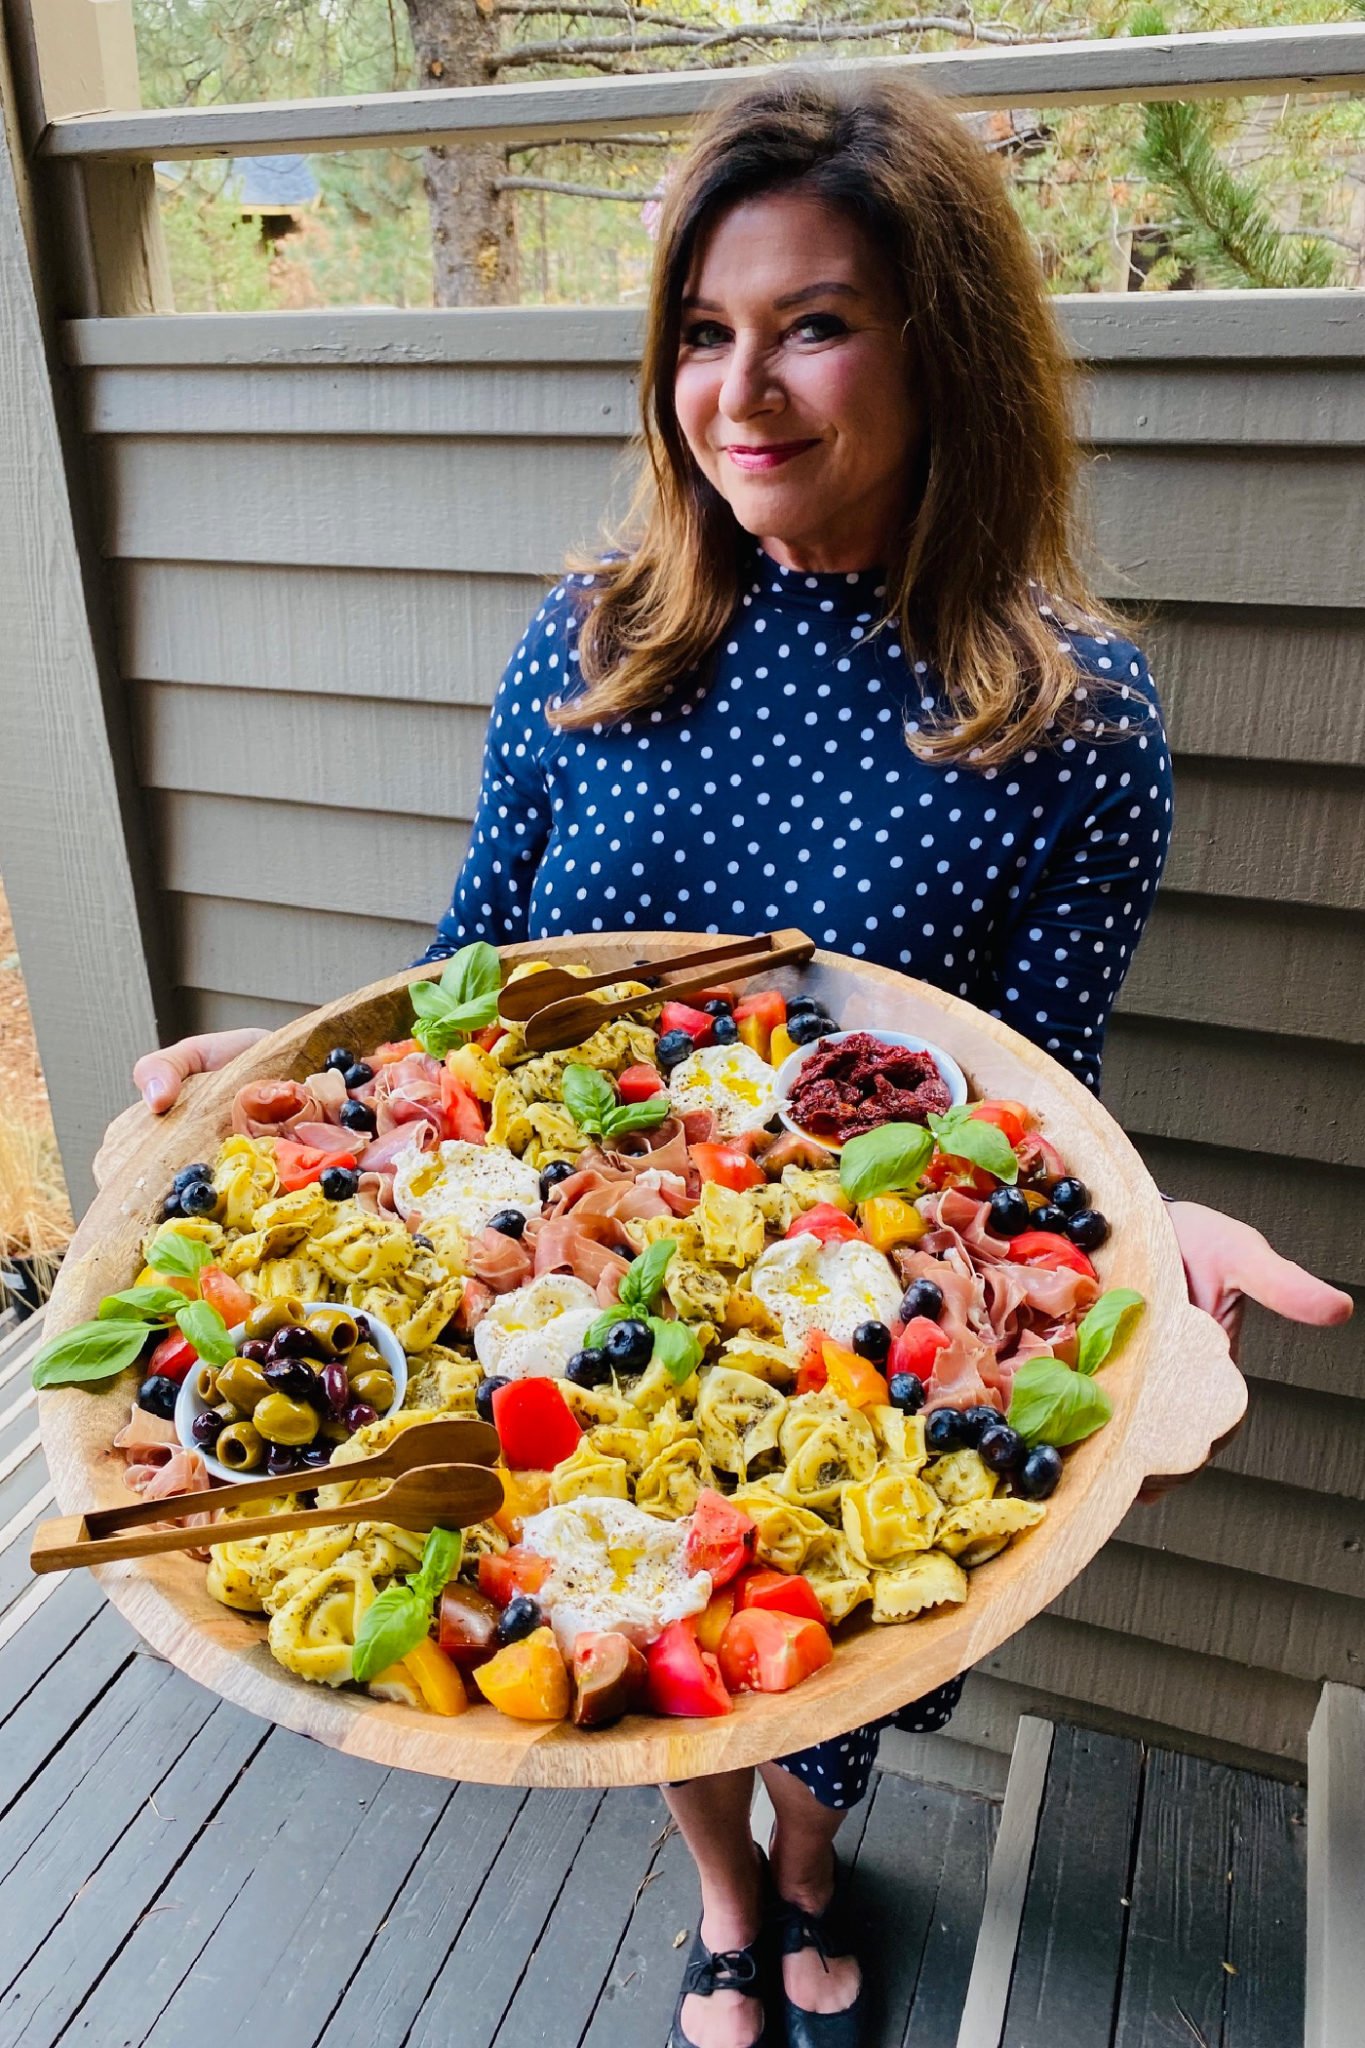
[440, 1479]
[558, 1009]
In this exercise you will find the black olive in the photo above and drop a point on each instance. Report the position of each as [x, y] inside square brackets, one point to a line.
[171, 1206]
[725, 1030]
[942, 1432]
[358, 1075]
[1069, 1195]
[358, 1116]
[1009, 1212]
[338, 1059]
[316, 1454]
[907, 1392]
[922, 1298]
[358, 1414]
[281, 1458]
[206, 1428]
[1038, 1475]
[483, 1396]
[291, 1376]
[338, 1183]
[1001, 1448]
[1087, 1228]
[805, 1006]
[804, 1030]
[200, 1198]
[199, 1171]
[364, 1330]
[717, 1006]
[257, 1349]
[519, 1617]
[291, 1340]
[552, 1175]
[973, 1424]
[508, 1222]
[1049, 1217]
[158, 1395]
[630, 1345]
[674, 1048]
[588, 1368]
[872, 1341]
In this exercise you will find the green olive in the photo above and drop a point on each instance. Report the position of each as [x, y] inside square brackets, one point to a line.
[365, 1358]
[228, 1413]
[269, 1316]
[239, 1447]
[334, 1431]
[375, 1387]
[243, 1383]
[282, 1421]
[334, 1329]
[206, 1382]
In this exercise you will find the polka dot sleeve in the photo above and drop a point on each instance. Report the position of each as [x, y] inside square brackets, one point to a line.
[1064, 956]
[492, 894]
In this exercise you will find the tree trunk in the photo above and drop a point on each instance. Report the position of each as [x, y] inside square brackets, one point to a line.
[473, 226]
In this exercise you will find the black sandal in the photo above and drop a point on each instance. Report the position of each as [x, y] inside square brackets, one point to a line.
[729, 1969]
[831, 1934]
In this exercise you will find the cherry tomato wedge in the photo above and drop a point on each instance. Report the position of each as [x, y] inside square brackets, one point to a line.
[638, 1083]
[684, 1678]
[825, 1222]
[914, 1348]
[222, 1292]
[460, 1108]
[516, 1571]
[1009, 1117]
[855, 1378]
[1049, 1248]
[528, 1680]
[727, 1165]
[763, 1651]
[535, 1424]
[722, 1538]
[780, 1593]
[812, 1373]
[298, 1166]
[173, 1358]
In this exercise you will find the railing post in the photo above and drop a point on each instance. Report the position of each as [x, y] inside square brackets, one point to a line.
[85, 61]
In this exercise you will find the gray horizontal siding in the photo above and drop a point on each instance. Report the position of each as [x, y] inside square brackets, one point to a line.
[326, 535]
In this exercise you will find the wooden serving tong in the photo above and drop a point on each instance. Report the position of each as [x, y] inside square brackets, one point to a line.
[560, 1010]
[440, 1474]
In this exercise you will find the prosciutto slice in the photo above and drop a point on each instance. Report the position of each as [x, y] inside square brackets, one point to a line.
[500, 1262]
[586, 1247]
[965, 1375]
[381, 1154]
[328, 1138]
[408, 1091]
[277, 1109]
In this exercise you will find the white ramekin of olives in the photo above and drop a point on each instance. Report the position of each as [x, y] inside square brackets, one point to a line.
[305, 1377]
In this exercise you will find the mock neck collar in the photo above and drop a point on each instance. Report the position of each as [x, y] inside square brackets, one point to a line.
[855, 591]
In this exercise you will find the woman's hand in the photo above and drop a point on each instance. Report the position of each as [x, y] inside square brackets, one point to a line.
[159, 1076]
[1228, 1263]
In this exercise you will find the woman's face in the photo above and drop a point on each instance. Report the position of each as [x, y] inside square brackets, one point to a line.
[792, 387]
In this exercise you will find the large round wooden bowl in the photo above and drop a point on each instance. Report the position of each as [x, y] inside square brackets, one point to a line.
[1174, 1388]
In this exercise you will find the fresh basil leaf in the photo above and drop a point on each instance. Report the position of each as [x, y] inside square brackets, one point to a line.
[141, 1305]
[204, 1328]
[677, 1346]
[440, 1560]
[588, 1096]
[635, 1116]
[92, 1351]
[644, 1276]
[390, 1626]
[892, 1156]
[182, 1257]
[963, 1136]
[428, 999]
[1100, 1326]
[473, 974]
[1051, 1404]
[596, 1334]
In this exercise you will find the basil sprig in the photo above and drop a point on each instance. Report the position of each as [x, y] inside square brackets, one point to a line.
[142, 1305]
[397, 1621]
[591, 1101]
[184, 1258]
[675, 1345]
[463, 1001]
[1051, 1404]
[892, 1156]
[203, 1327]
[963, 1136]
[1100, 1327]
[123, 1323]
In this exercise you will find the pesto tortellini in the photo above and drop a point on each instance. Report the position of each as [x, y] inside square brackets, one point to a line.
[739, 1418]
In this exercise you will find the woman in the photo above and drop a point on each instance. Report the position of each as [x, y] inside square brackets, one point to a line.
[846, 675]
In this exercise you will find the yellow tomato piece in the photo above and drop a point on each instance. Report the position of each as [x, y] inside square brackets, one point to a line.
[782, 1045]
[754, 1034]
[887, 1220]
[149, 1277]
[523, 1494]
[854, 1377]
[436, 1678]
[713, 1617]
[528, 1680]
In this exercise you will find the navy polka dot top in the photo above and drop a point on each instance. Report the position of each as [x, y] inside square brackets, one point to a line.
[779, 790]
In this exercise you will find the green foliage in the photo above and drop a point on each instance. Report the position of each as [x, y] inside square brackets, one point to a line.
[1225, 226]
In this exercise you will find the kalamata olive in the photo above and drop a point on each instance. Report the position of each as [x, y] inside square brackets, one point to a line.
[725, 1030]
[364, 1330]
[1001, 1448]
[907, 1392]
[207, 1428]
[508, 1222]
[257, 1349]
[293, 1377]
[336, 1386]
[279, 1459]
[358, 1414]
[942, 1432]
[1038, 1475]
[872, 1341]
[357, 1116]
[315, 1454]
[973, 1423]
[609, 1677]
[338, 1060]
[810, 1025]
[922, 1298]
[200, 1198]
[158, 1395]
[199, 1171]
[629, 1345]
[1069, 1195]
[292, 1340]
[552, 1174]
[1008, 1213]
[518, 1618]
[358, 1076]
[338, 1183]
[1087, 1228]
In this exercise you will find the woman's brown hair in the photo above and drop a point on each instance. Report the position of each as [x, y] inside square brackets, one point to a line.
[989, 527]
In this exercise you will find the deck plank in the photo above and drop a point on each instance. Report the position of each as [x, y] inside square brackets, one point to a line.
[479, 1977]
[941, 1989]
[52, 1633]
[1173, 1965]
[1264, 2002]
[59, 1734]
[1071, 1933]
[637, 2000]
[895, 1887]
[116, 1876]
[398, 1962]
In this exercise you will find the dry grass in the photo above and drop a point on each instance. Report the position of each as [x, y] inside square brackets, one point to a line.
[35, 1216]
